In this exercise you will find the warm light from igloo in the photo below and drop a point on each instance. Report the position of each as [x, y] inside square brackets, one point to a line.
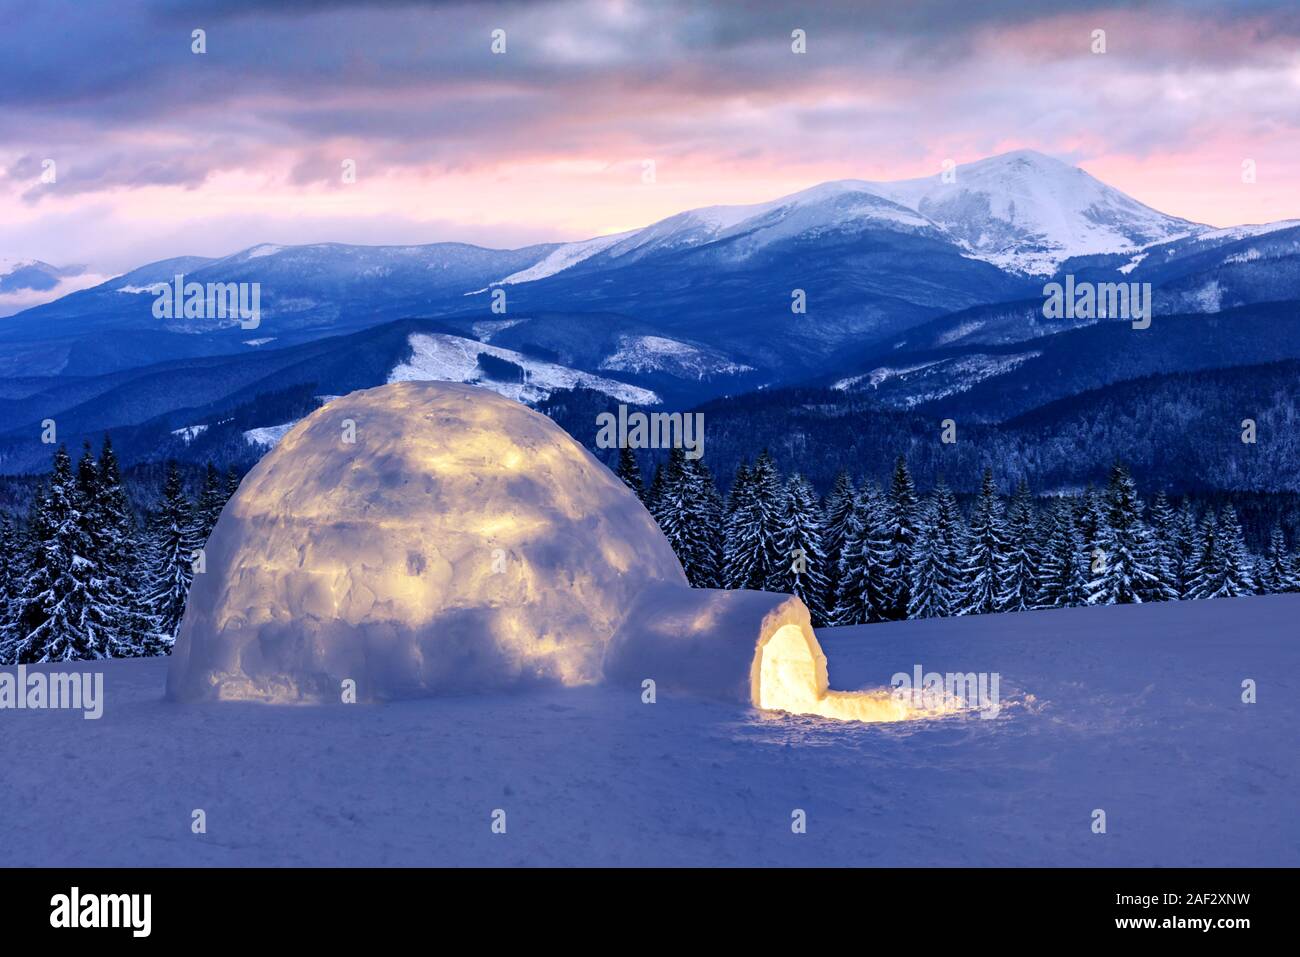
[788, 680]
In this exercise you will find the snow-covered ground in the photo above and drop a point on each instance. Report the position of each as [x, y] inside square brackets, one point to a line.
[1133, 710]
[445, 358]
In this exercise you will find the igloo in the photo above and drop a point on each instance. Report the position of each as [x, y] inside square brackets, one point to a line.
[426, 538]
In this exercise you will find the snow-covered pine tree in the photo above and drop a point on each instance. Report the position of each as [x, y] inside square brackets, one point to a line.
[232, 483]
[52, 621]
[1186, 549]
[1062, 573]
[902, 505]
[122, 558]
[208, 507]
[1275, 570]
[656, 489]
[1128, 575]
[1164, 547]
[10, 573]
[707, 507]
[837, 510]
[1202, 580]
[630, 472]
[937, 564]
[864, 593]
[1023, 553]
[986, 560]
[1235, 575]
[1292, 563]
[1090, 520]
[171, 559]
[751, 553]
[688, 512]
[104, 515]
[668, 505]
[804, 562]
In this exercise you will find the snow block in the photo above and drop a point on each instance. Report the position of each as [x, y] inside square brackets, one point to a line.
[709, 642]
[459, 542]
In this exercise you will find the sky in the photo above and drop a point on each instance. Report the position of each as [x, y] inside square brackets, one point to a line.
[159, 151]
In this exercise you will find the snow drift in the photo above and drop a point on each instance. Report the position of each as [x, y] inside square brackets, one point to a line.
[430, 538]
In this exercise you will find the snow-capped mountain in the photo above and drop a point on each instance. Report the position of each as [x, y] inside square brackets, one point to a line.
[1024, 212]
[1028, 213]
[700, 304]
[28, 282]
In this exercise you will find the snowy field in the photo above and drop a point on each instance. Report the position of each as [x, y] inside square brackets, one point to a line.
[1134, 710]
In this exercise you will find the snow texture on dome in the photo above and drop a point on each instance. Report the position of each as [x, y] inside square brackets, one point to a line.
[462, 542]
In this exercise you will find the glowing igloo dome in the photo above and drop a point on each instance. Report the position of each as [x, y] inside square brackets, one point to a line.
[460, 542]
[429, 538]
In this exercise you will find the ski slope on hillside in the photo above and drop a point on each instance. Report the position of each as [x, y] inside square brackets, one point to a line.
[1134, 710]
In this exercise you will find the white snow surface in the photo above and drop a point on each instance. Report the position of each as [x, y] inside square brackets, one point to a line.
[189, 433]
[268, 436]
[461, 542]
[661, 354]
[446, 358]
[567, 255]
[1134, 709]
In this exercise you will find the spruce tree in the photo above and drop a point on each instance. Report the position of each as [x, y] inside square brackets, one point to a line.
[803, 571]
[864, 593]
[937, 565]
[54, 620]
[1183, 554]
[1235, 575]
[232, 483]
[208, 507]
[1164, 523]
[1203, 574]
[752, 553]
[1128, 575]
[121, 556]
[1275, 571]
[1062, 573]
[986, 563]
[689, 512]
[1022, 553]
[171, 558]
[630, 472]
[836, 513]
[901, 512]
[107, 608]
[10, 575]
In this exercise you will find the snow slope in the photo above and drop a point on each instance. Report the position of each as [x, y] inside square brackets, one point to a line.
[661, 354]
[445, 358]
[1132, 709]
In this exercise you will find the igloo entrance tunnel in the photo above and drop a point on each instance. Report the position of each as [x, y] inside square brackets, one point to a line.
[463, 542]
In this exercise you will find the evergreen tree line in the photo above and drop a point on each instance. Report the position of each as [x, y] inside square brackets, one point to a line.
[82, 578]
[867, 553]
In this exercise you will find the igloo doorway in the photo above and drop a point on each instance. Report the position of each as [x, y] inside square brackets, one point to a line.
[792, 677]
[754, 648]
